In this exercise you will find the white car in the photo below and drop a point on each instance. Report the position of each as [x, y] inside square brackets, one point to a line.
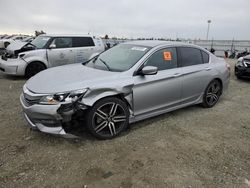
[9, 39]
[45, 51]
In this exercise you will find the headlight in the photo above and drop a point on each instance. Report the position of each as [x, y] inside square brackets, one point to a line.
[63, 97]
[245, 63]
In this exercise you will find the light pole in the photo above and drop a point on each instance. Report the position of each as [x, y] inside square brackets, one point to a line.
[208, 27]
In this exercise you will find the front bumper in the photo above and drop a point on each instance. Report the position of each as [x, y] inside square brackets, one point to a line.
[45, 118]
[13, 66]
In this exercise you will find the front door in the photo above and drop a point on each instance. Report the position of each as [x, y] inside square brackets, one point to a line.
[160, 91]
[61, 52]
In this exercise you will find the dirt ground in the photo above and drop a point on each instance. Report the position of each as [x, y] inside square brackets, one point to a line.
[191, 147]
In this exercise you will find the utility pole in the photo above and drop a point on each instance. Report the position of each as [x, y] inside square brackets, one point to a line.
[208, 27]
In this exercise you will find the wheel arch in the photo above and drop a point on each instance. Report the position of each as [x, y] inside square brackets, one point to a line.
[36, 61]
[33, 62]
[127, 98]
[6, 44]
[220, 81]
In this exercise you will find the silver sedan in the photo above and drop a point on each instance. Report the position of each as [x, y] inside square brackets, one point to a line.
[127, 83]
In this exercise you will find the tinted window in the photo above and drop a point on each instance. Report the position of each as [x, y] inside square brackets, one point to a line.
[163, 59]
[63, 42]
[190, 56]
[205, 57]
[83, 41]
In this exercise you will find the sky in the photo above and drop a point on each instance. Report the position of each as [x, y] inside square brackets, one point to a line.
[129, 18]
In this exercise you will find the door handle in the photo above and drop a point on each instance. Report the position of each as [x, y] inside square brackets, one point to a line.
[207, 68]
[177, 74]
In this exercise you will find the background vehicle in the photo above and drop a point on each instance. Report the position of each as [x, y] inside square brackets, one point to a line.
[27, 39]
[49, 51]
[242, 54]
[128, 83]
[242, 67]
[9, 39]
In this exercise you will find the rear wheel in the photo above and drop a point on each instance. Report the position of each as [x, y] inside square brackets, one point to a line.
[108, 118]
[34, 68]
[212, 94]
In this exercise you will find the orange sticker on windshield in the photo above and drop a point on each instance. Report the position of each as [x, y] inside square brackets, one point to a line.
[167, 56]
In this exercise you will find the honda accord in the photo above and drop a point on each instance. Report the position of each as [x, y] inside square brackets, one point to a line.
[127, 83]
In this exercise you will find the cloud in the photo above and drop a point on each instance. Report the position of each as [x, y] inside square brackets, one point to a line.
[129, 18]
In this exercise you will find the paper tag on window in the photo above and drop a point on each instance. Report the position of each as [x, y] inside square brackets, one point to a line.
[167, 56]
[139, 49]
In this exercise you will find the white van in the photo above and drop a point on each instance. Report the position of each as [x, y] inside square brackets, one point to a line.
[45, 51]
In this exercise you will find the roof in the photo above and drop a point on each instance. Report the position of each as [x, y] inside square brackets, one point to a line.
[154, 43]
[67, 35]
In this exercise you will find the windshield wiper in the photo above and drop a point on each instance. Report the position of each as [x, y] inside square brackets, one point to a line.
[93, 60]
[104, 62]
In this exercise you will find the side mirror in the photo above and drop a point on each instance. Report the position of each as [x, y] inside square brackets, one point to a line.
[149, 70]
[52, 46]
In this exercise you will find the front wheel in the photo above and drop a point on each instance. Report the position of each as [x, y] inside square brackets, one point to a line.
[212, 94]
[108, 118]
[34, 68]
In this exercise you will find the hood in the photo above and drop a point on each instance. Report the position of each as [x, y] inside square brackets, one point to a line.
[247, 57]
[17, 47]
[68, 78]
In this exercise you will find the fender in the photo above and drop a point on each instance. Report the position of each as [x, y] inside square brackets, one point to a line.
[36, 55]
[92, 96]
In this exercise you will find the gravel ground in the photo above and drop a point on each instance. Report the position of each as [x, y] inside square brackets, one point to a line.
[191, 147]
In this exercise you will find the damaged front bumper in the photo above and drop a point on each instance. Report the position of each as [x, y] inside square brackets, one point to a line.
[13, 66]
[46, 118]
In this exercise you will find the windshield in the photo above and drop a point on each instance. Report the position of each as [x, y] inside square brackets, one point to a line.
[40, 41]
[119, 58]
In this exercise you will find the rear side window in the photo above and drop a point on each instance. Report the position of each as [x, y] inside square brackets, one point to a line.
[190, 56]
[83, 42]
[163, 59]
[205, 57]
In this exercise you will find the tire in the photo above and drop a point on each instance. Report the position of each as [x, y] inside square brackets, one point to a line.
[107, 118]
[34, 68]
[212, 94]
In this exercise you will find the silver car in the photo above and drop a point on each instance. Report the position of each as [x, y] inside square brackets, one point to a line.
[127, 83]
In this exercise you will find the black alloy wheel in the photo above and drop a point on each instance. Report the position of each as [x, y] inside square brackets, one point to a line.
[108, 118]
[212, 94]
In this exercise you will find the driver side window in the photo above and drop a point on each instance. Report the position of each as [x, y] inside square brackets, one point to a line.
[163, 59]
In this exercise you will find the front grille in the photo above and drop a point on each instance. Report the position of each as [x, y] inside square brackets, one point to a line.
[31, 100]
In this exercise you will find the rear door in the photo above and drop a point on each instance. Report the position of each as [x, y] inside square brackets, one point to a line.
[196, 72]
[163, 90]
[61, 52]
[84, 48]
